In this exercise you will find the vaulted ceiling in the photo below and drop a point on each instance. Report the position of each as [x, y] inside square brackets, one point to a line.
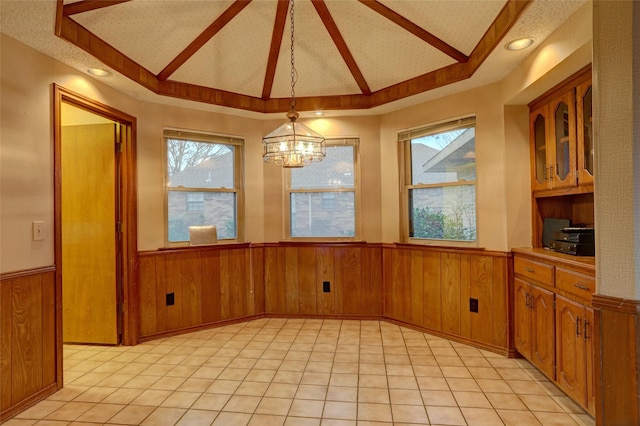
[349, 54]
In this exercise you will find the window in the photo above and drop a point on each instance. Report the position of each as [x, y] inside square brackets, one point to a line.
[439, 180]
[323, 197]
[203, 184]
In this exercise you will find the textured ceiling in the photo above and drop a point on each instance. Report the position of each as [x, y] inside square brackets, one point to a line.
[347, 54]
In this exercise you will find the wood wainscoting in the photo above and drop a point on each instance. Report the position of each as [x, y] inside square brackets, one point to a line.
[427, 288]
[209, 284]
[432, 288]
[617, 338]
[28, 364]
[296, 273]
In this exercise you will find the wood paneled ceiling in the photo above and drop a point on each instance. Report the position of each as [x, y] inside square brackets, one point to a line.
[366, 55]
[350, 54]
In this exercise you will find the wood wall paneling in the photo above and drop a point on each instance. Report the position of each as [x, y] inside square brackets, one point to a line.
[28, 366]
[326, 302]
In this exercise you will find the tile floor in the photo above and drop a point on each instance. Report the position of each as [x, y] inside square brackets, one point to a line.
[301, 372]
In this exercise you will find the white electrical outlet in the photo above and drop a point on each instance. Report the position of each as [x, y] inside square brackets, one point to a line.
[38, 230]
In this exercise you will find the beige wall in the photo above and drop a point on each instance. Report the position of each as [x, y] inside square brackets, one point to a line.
[617, 137]
[26, 169]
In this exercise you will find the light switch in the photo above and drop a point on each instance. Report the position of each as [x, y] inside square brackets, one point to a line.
[38, 230]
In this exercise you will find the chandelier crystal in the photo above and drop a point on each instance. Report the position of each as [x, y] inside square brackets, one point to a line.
[293, 144]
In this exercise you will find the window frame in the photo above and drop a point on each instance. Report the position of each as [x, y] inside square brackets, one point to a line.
[405, 168]
[238, 178]
[288, 190]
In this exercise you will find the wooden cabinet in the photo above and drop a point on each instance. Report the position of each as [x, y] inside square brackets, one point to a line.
[562, 154]
[558, 132]
[553, 319]
[534, 328]
[574, 348]
[585, 132]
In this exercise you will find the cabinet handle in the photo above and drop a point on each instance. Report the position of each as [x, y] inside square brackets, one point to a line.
[528, 300]
[586, 327]
[530, 270]
[550, 172]
[578, 324]
[581, 287]
[545, 174]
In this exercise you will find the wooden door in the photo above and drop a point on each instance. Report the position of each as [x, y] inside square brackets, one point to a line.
[562, 114]
[542, 329]
[571, 355]
[590, 352]
[539, 130]
[522, 318]
[89, 246]
[585, 142]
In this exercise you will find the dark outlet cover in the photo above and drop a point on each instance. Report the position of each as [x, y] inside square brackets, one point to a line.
[326, 286]
[473, 305]
[170, 299]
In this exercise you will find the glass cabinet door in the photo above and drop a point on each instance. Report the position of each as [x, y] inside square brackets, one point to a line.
[562, 169]
[585, 134]
[538, 127]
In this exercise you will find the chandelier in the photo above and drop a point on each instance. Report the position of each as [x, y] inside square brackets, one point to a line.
[293, 144]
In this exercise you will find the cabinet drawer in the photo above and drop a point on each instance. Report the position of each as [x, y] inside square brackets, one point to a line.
[539, 272]
[575, 283]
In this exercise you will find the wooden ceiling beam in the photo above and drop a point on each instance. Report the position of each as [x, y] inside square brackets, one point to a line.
[414, 29]
[203, 38]
[274, 50]
[338, 40]
[87, 5]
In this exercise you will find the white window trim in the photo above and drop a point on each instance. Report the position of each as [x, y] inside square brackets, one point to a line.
[404, 159]
[347, 141]
[203, 136]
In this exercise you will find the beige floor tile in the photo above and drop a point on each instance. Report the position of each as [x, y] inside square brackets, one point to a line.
[490, 385]
[252, 388]
[19, 422]
[555, 419]
[301, 421]
[266, 420]
[402, 382]
[70, 411]
[445, 416]
[374, 412]
[197, 418]
[151, 397]
[449, 361]
[505, 401]
[339, 379]
[211, 401]
[342, 393]
[281, 390]
[405, 396]
[194, 384]
[115, 380]
[541, 403]
[131, 415]
[312, 379]
[141, 382]
[462, 384]
[471, 399]
[223, 386]
[319, 367]
[289, 365]
[68, 393]
[484, 373]
[373, 395]
[442, 398]
[232, 419]
[180, 399]
[306, 408]
[311, 392]
[95, 394]
[526, 387]
[432, 383]
[242, 404]
[513, 374]
[427, 371]
[274, 406]
[168, 383]
[481, 416]
[340, 410]
[518, 418]
[409, 414]
[164, 416]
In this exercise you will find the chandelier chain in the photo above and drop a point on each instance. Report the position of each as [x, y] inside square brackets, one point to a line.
[293, 65]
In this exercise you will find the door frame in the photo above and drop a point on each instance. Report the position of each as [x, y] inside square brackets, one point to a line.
[128, 244]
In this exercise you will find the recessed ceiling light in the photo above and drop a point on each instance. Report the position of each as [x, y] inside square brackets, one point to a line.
[98, 72]
[318, 113]
[519, 43]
